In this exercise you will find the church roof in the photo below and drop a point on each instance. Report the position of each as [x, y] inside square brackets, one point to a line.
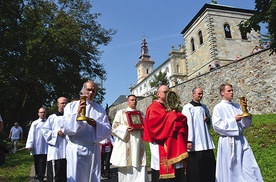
[218, 7]
[119, 100]
[123, 98]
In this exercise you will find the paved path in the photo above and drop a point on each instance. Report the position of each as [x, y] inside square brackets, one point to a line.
[114, 175]
[32, 175]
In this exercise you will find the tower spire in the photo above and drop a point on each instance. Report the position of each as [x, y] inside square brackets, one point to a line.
[214, 2]
[145, 64]
[144, 56]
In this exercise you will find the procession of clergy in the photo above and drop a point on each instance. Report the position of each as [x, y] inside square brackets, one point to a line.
[181, 147]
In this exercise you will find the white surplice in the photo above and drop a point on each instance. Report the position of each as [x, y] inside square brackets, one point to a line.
[129, 150]
[56, 144]
[198, 131]
[35, 138]
[83, 148]
[235, 159]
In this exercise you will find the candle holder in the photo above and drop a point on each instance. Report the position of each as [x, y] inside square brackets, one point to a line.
[244, 108]
[82, 116]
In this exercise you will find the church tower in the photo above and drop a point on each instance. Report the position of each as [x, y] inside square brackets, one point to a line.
[212, 37]
[145, 65]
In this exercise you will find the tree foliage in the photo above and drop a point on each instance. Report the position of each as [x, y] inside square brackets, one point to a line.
[48, 49]
[265, 12]
[159, 79]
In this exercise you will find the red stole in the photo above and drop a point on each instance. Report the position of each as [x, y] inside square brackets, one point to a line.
[170, 131]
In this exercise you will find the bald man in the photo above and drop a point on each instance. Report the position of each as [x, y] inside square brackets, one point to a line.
[37, 145]
[167, 133]
[83, 149]
[201, 163]
[56, 160]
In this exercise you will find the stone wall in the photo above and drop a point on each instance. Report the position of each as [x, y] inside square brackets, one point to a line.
[253, 76]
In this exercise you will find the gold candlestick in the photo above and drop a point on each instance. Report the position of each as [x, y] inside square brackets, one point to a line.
[82, 116]
[244, 108]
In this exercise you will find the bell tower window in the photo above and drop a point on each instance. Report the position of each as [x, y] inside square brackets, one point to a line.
[193, 44]
[227, 31]
[200, 37]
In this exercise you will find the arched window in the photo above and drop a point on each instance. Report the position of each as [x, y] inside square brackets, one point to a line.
[227, 31]
[177, 69]
[243, 36]
[200, 37]
[167, 70]
[193, 44]
[147, 70]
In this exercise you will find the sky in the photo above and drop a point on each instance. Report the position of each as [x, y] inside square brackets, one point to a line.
[160, 21]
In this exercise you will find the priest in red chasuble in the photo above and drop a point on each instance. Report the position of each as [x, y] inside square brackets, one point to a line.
[167, 132]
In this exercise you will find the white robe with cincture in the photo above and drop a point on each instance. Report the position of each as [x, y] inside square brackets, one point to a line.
[83, 146]
[128, 151]
[235, 159]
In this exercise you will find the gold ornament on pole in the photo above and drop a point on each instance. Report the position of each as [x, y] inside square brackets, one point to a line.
[172, 101]
[81, 116]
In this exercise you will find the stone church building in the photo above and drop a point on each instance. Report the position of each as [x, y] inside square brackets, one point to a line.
[211, 38]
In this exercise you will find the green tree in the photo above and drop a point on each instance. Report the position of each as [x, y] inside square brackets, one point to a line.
[48, 49]
[160, 79]
[265, 12]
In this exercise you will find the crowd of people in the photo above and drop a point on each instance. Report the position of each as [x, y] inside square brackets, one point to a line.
[261, 47]
[181, 147]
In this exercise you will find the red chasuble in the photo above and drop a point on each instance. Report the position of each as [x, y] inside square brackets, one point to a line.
[170, 131]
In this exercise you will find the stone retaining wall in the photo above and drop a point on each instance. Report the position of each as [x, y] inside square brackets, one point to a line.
[253, 76]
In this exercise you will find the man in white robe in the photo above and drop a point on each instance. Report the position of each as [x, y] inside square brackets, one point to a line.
[56, 161]
[201, 163]
[37, 145]
[235, 159]
[129, 151]
[83, 148]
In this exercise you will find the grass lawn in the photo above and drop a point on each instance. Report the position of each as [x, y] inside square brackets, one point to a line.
[17, 166]
[261, 137]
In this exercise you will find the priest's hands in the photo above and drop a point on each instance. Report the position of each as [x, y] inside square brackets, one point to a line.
[207, 120]
[238, 117]
[60, 133]
[91, 122]
[189, 146]
[129, 129]
[82, 104]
